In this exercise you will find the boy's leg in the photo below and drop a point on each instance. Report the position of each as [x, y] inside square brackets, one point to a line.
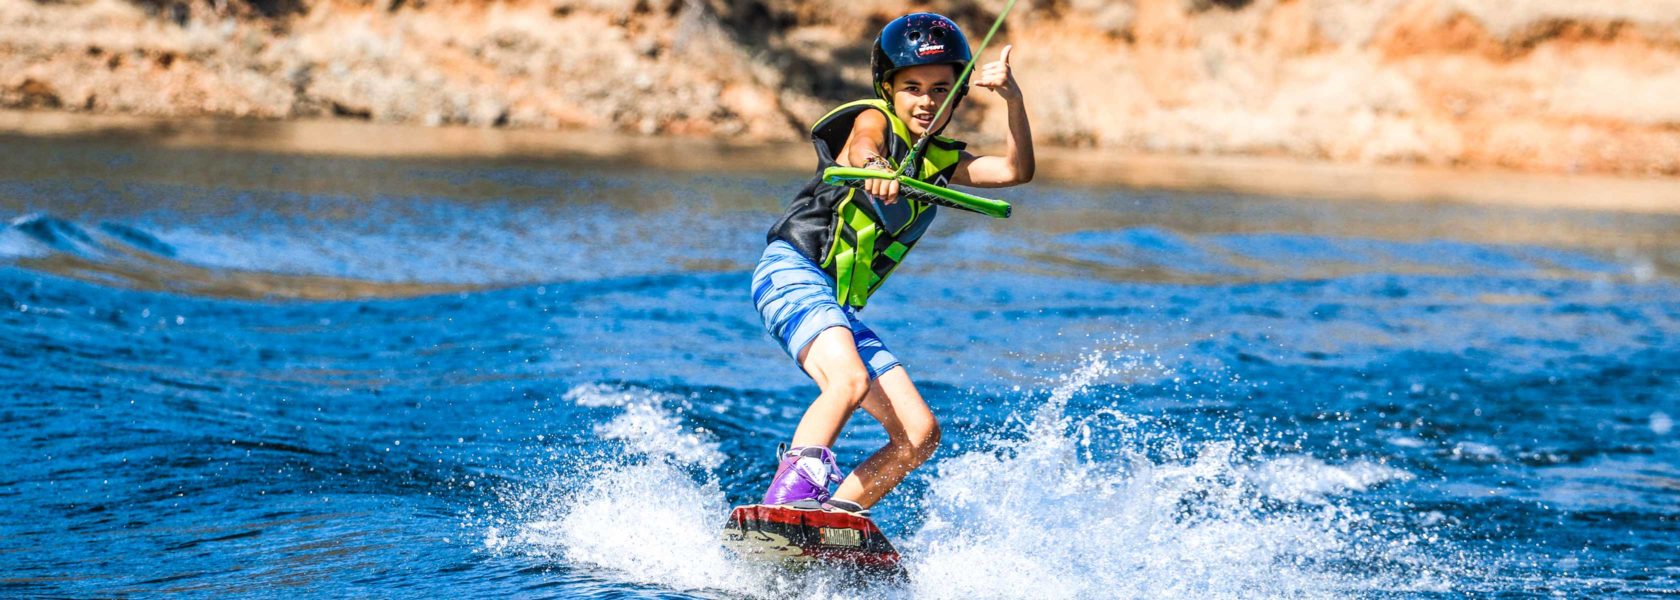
[832, 361]
[804, 473]
[912, 435]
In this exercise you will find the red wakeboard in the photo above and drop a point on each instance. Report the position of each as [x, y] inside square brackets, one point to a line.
[799, 537]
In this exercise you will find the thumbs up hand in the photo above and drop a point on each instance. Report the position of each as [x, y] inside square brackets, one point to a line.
[996, 76]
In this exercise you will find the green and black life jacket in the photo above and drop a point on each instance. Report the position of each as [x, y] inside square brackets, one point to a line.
[855, 238]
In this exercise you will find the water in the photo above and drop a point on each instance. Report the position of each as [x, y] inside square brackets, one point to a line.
[231, 373]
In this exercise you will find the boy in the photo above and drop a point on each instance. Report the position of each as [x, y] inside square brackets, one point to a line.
[836, 245]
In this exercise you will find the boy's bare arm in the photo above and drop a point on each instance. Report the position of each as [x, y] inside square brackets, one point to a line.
[1017, 165]
[863, 150]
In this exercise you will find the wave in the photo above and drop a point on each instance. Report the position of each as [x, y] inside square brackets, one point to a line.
[118, 255]
[52, 234]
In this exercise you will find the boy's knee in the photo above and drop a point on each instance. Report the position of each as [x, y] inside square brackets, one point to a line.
[922, 440]
[930, 435]
[852, 387]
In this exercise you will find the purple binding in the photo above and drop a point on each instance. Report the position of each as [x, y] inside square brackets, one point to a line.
[803, 477]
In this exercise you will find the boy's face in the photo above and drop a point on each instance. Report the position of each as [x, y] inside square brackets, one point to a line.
[917, 93]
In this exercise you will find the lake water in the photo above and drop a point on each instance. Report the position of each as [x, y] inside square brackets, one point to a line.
[233, 373]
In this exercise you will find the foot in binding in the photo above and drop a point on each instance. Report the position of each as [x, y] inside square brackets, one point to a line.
[802, 478]
[845, 506]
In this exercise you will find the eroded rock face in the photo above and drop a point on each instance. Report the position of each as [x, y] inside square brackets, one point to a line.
[1549, 85]
[31, 93]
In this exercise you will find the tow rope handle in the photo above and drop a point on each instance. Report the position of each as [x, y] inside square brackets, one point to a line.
[923, 191]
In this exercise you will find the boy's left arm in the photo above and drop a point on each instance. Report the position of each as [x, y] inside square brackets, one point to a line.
[1016, 166]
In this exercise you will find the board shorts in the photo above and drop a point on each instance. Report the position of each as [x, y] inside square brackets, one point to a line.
[797, 301]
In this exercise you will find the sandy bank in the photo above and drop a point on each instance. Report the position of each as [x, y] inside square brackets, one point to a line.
[1276, 176]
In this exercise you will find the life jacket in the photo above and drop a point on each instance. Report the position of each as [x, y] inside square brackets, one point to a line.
[854, 237]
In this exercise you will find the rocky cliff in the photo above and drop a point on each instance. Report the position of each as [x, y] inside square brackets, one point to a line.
[1546, 85]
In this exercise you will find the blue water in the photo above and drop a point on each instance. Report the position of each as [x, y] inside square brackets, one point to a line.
[238, 374]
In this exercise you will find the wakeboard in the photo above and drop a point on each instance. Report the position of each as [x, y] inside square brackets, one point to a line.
[801, 538]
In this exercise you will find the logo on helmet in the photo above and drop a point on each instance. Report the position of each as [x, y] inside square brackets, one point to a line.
[927, 49]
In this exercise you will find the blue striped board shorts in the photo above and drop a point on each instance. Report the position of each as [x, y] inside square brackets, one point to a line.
[797, 301]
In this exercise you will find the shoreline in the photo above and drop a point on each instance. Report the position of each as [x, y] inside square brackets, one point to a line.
[1243, 175]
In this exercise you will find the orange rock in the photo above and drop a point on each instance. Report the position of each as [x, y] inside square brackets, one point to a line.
[1544, 85]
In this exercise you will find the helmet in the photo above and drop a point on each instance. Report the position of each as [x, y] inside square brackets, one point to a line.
[918, 39]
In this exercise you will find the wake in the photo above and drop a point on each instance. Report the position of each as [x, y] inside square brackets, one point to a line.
[1035, 513]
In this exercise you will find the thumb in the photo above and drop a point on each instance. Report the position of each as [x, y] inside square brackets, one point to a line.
[1005, 58]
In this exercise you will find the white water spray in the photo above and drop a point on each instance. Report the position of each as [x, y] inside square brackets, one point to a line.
[1038, 515]
[1033, 517]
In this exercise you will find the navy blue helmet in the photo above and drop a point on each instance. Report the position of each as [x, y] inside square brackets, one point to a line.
[918, 39]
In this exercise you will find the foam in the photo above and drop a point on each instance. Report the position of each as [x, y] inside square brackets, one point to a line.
[641, 517]
[1200, 523]
[15, 245]
[647, 427]
[1308, 479]
[1034, 514]
[647, 523]
[1661, 423]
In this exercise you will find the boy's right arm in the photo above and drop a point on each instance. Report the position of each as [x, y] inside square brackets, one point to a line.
[863, 149]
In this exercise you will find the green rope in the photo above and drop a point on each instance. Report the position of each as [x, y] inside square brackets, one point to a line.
[921, 144]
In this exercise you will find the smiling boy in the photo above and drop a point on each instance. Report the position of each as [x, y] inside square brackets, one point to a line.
[835, 245]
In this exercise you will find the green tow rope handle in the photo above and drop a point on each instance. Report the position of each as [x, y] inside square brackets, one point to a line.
[920, 190]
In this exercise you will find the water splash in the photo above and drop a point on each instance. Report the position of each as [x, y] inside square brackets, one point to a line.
[647, 427]
[646, 523]
[650, 514]
[1310, 480]
[1155, 520]
[638, 515]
